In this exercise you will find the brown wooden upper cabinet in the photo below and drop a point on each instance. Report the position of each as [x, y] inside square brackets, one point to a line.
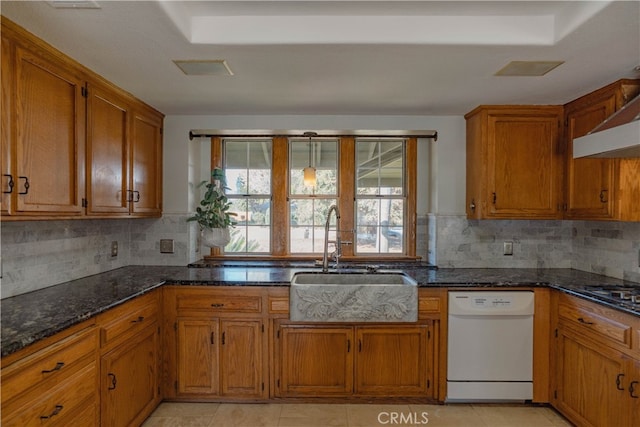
[514, 162]
[124, 155]
[600, 189]
[72, 143]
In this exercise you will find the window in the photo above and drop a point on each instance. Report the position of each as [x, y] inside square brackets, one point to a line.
[247, 164]
[308, 205]
[371, 180]
[380, 195]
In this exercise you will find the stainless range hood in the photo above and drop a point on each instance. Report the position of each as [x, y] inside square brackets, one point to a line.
[616, 137]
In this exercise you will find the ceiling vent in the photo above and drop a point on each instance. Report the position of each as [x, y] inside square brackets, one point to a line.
[74, 4]
[196, 67]
[528, 68]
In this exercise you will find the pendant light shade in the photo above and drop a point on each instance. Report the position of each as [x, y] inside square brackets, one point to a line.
[310, 171]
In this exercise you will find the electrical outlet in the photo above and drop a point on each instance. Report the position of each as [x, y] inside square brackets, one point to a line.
[114, 248]
[508, 248]
[166, 246]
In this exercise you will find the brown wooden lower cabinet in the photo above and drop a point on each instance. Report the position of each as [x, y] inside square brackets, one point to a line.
[129, 386]
[343, 360]
[130, 361]
[597, 364]
[219, 357]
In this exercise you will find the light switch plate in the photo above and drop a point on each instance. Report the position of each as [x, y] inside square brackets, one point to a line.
[166, 246]
[508, 248]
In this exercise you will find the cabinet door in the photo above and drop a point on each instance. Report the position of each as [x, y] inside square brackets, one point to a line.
[525, 164]
[198, 357]
[634, 392]
[315, 361]
[146, 163]
[587, 391]
[50, 117]
[391, 361]
[590, 191]
[6, 132]
[241, 358]
[107, 152]
[129, 385]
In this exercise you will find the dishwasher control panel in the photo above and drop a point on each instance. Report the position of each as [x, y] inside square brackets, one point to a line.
[491, 302]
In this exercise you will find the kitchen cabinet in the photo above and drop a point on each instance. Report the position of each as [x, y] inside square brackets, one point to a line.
[108, 123]
[6, 123]
[217, 350]
[124, 155]
[72, 143]
[596, 363]
[43, 133]
[514, 162]
[314, 360]
[130, 361]
[145, 194]
[56, 383]
[343, 360]
[600, 189]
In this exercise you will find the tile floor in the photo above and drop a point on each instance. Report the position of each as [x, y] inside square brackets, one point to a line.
[351, 415]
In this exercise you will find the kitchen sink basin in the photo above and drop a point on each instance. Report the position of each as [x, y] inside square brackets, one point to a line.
[353, 297]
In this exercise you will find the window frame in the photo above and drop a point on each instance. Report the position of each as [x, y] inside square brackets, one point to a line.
[280, 214]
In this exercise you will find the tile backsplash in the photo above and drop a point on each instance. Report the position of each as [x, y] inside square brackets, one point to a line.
[38, 254]
[601, 247]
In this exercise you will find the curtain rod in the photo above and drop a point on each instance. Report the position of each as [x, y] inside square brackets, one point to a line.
[320, 133]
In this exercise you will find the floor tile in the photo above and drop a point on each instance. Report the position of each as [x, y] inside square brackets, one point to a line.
[247, 415]
[313, 415]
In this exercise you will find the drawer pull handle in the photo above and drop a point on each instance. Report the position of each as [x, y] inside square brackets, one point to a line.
[58, 366]
[10, 184]
[223, 338]
[113, 381]
[619, 381]
[219, 305]
[26, 185]
[584, 322]
[55, 412]
[138, 320]
[632, 390]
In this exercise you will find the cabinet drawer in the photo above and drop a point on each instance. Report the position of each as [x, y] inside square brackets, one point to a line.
[125, 320]
[220, 303]
[50, 365]
[605, 324]
[58, 406]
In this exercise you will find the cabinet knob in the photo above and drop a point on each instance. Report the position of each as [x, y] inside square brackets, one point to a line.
[603, 196]
[472, 206]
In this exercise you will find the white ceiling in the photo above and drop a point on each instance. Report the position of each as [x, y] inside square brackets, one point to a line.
[344, 57]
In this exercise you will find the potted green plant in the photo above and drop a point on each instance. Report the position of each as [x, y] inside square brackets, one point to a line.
[213, 214]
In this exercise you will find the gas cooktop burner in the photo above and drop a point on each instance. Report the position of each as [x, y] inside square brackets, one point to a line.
[616, 293]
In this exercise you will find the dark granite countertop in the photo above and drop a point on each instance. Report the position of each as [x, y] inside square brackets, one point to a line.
[33, 316]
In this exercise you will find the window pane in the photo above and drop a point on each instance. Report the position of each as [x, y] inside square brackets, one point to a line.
[380, 167]
[252, 231]
[307, 218]
[321, 154]
[248, 166]
[379, 225]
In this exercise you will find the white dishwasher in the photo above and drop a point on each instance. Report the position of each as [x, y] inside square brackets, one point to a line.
[490, 346]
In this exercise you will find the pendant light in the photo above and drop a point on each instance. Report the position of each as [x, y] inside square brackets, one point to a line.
[310, 171]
